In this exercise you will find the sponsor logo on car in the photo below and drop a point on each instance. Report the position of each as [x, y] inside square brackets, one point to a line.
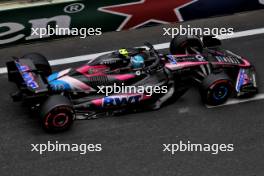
[172, 59]
[27, 76]
[121, 100]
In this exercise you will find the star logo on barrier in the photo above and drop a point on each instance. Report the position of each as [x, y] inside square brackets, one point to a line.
[140, 13]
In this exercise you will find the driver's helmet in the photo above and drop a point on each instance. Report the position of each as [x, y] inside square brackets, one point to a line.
[137, 62]
[123, 52]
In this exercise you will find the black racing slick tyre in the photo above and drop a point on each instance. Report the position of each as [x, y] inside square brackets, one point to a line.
[56, 114]
[184, 45]
[216, 89]
[40, 62]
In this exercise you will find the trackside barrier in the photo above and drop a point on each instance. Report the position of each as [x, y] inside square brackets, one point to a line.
[17, 18]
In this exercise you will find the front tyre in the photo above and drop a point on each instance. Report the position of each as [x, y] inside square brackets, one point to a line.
[186, 45]
[216, 89]
[56, 114]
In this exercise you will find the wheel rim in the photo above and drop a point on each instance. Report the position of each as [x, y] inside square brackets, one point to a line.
[60, 120]
[220, 93]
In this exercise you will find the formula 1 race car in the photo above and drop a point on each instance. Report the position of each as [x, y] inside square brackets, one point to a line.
[61, 96]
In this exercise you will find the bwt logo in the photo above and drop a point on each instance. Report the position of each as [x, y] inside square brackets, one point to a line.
[29, 79]
[22, 68]
[27, 76]
[14, 30]
[121, 100]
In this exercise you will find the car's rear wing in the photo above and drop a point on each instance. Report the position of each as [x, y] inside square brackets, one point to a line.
[26, 76]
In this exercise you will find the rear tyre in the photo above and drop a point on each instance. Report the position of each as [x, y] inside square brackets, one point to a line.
[56, 114]
[40, 62]
[183, 45]
[216, 89]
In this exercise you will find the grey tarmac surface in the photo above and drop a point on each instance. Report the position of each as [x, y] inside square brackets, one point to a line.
[132, 144]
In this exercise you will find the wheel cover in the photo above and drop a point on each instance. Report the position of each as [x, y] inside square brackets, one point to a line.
[60, 120]
[220, 92]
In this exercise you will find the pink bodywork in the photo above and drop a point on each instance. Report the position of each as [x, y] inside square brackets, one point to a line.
[180, 65]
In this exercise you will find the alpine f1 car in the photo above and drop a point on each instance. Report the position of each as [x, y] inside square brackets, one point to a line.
[61, 96]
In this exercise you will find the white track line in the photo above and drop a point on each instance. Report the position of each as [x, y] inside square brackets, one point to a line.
[3, 70]
[75, 59]
[238, 101]
[242, 34]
